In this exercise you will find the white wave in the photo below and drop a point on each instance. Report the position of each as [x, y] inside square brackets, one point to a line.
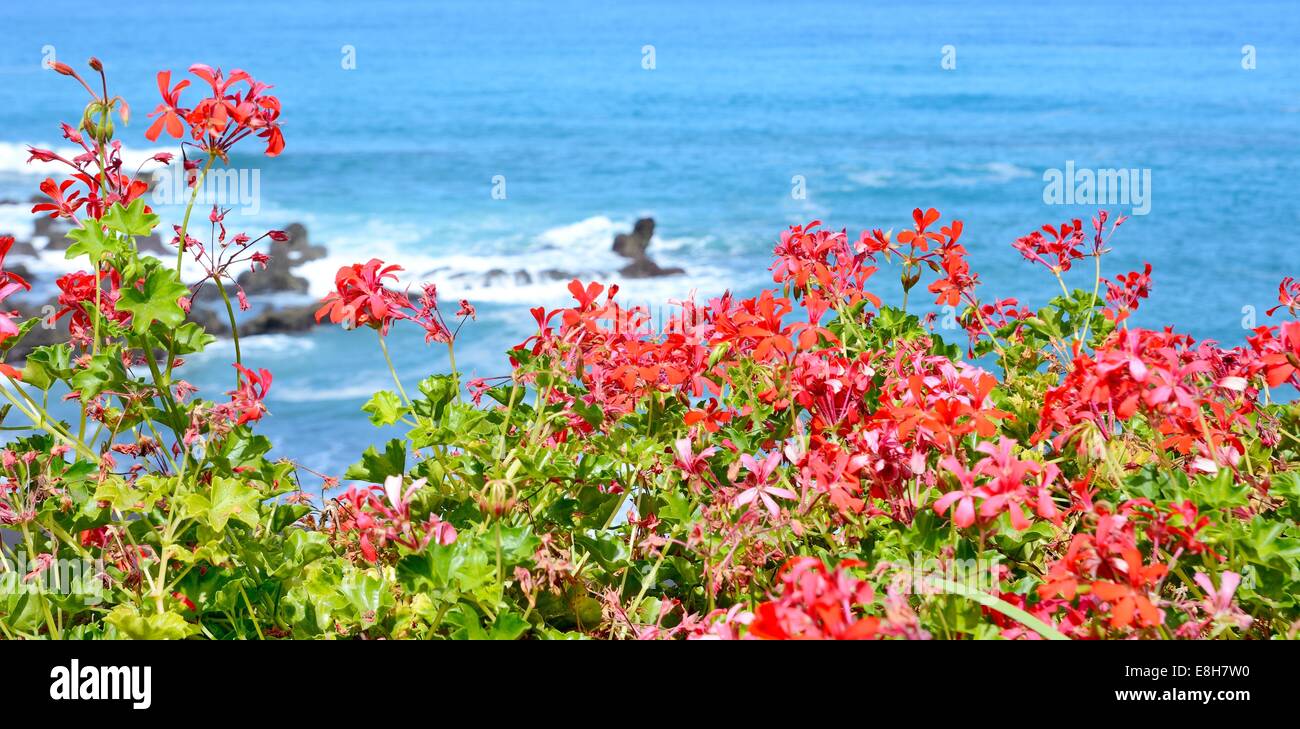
[323, 394]
[964, 176]
[872, 178]
[483, 271]
[583, 234]
[1006, 171]
[263, 344]
[513, 271]
[17, 220]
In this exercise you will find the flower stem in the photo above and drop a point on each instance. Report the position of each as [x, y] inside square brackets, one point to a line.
[234, 328]
[383, 345]
[189, 208]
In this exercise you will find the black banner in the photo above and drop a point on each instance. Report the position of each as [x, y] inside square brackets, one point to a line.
[366, 679]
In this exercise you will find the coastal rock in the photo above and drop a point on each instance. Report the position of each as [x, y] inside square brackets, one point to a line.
[286, 255]
[153, 243]
[634, 245]
[214, 322]
[54, 230]
[647, 268]
[23, 248]
[289, 319]
[20, 270]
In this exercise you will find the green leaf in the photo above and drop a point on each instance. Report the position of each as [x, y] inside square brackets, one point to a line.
[47, 364]
[188, 338]
[438, 390]
[228, 499]
[163, 626]
[367, 594]
[302, 546]
[507, 626]
[996, 603]
[103, 371]
[385, 408]
[91, 240]
[156, 300]
[131, 220]
[375, 467]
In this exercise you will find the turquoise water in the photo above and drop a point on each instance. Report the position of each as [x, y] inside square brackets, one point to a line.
[397, 157]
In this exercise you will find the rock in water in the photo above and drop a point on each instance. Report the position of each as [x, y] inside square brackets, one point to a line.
[285, 256]
[634, 246]
[275, 321]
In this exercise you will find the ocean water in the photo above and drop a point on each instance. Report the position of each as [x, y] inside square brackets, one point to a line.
[398, 156]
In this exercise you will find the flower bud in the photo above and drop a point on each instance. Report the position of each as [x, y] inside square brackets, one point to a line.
[98, 121]
[497, 499]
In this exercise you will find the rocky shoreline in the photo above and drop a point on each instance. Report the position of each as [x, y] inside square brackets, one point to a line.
[279, 278]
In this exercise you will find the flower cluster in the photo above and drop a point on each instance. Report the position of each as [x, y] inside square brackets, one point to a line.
[803, 463]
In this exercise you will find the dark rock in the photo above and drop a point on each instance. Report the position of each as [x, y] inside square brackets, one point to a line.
[23, 248]
[634, 246]
[21, 270]
[214, 322]
[285, 255]
[55, 230]
[288, 319]
[646, 268]
[153, 243]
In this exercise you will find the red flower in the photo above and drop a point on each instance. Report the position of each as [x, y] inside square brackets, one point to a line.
[360, 298]
[219, 121]
[1131, 600]
[964, 498]
[168, 113]
[76, 290]
[1288, 296]
[815, 604]
[1064, 245]
[63, 205]
[918, 236]
[379, 521]
[1124, 296]
[247, 401]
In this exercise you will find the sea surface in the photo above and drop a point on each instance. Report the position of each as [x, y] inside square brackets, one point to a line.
[402, 119]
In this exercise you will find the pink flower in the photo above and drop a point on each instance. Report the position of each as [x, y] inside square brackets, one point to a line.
[964, 515]
[689, 461]
[760, 473]
[1218, 603]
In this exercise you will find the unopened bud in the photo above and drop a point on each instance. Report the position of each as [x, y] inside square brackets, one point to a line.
[98, 121]
[497, 499]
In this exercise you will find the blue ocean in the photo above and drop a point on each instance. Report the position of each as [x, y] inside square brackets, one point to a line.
[462, 138]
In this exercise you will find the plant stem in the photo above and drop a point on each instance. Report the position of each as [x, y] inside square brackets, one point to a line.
[189, 208]
[234, 328]
[383, 345]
